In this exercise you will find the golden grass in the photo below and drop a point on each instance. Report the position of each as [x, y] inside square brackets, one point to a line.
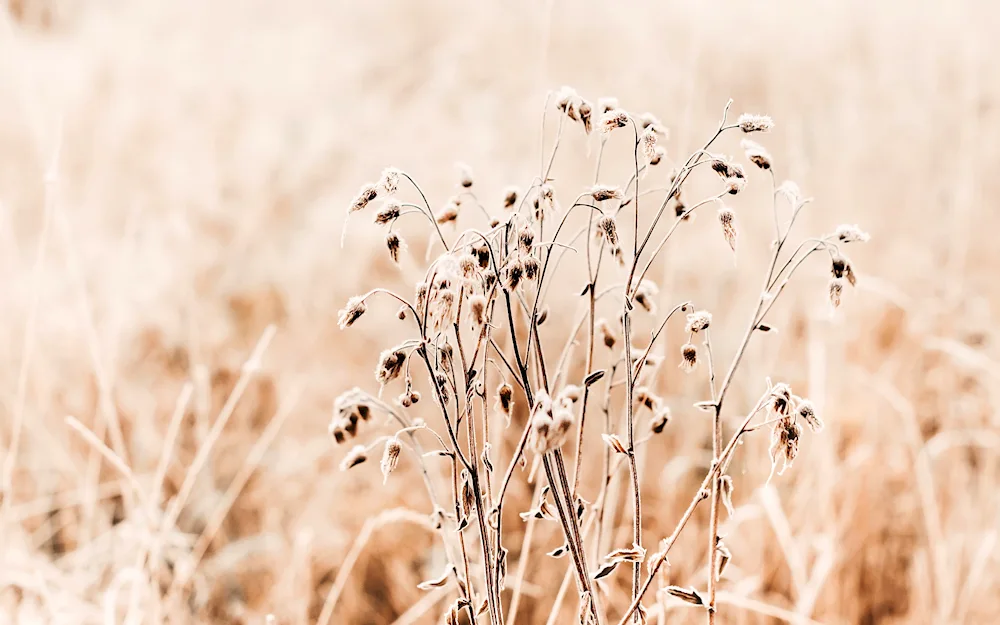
[173, 181]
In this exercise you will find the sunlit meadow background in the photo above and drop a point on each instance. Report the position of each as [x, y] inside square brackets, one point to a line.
[174, 178]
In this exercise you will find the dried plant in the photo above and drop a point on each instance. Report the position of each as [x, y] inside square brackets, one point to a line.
[477, 312]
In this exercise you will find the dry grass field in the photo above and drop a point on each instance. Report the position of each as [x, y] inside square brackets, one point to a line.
[174, 181]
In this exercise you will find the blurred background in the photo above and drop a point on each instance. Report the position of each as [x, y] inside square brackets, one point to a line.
[174, 178]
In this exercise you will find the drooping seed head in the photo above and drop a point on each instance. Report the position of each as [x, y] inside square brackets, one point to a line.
[689, 357]
[850, 234]
[543, 314]
[367, 193]
[505, 398]
[352, 311]
[483, 256]
[645, 295]
[607, 336]
[660, 419]
[807, 412]
[448, 214]
[586, 110]
[607, 104]
[509, 197]
[648, 121]
[390, 458]
[571, 393]
[357, 455]
[780, 399]
[756, 154]
[841, 268]
[390, 211]
[835, 290]
[477, 309]
[515, 272]
[784, 443]
[608, 229]
[734, 185]
[532, 268]
[526, 239]
[646, 397]
[601, 192]
[390, 365]
[542, 422]
[613, 119]
[464, 175]
[659, 153]
[727, 219]
[755, 123]
[394, 244]
[648, 140]
[698, 321]
[389, 180]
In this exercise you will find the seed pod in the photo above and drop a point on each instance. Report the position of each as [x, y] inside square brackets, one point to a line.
[689, 357]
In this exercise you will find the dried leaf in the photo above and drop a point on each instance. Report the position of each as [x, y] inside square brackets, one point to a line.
[723, 558]
[605, 570]
[688, 595]
[593, 377]
[707, 406]
[726, 491]
[437, 582]
[558, 552]
[615, 443]
[635, 554]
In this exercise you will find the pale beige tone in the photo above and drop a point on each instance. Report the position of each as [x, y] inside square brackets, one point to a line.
[174, 177]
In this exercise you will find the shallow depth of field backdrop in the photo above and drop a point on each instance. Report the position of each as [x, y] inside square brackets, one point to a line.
[174, 178]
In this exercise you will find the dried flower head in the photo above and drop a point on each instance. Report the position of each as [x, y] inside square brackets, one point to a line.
[756, 154]
[562, 421]
[648, 121]
[784, 443]
[464, 175]
[515, 272]
[645, 397]
[367, 193]
[850, 234]
[660, 420]
[532, 268]
[354, 457]
[780, 399]
[390, 457]
[509, 197]
[615, 118]
[352, 311]
[608, 228]
[681, 210]
[448, 214]
[601, 192]
[526, 239]
[607, 336]
[645, 295]
[390, 365]
[389, 180]
[689, 357]
[734, 185]
[586, 111]
[607, 104]
[807, 412]
[698, 321]
[659, 152]
[835, 290]
[394, 244]
[390, 211]
[841, 268]
[477, 309]
[648, 141]
[727, 219]
[755, 123]
[483, 256]
[545, 202]
[542, 422]
[468, 266]
[505, 398]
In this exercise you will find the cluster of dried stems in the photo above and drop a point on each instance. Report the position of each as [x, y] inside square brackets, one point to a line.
[476, 317]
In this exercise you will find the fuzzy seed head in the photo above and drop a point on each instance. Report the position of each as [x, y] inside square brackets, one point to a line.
[477, 309]
[390, 365]
[354, 457]
[532, 268]
[509, 197]
[526, 239]
[756, 154]
[649, 143]
[515, 272]
[389, 180]
[727, 219]
[780, 399]
[367, 193]
[659, 153]
[645, 295]
[394, 244]
[448, 214]
[542, 422]
[835, 290]
[390, 457]
[607, 104]
[645, 397]
[615, 118]
[734, 185]
[352, 311]
[850, 234]
[807, 412]
[505, 398]
[698, 321]
[390, 211]
[755, 123]
[648, 121]
[607, 336]
[841, 268]
[586, 110]
[483, 256]
[608, 228]
[660, 420]
[689, 358]
[464, 175]
[785, 443]
[601, 192]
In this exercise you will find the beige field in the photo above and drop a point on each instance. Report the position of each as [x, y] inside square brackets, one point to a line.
[174, 180]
